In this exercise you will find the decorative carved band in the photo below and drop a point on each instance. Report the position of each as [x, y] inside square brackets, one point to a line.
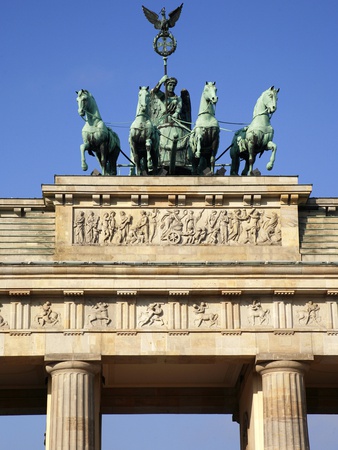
[179, 293]
[284, 292]
[179, 312]
[178, 333]
[20, 292]
[126, 333]
[73, 293]
[20, 333]
[283, 333]
[231, 333]
[126, 292]
[246, 226]
[73, 333]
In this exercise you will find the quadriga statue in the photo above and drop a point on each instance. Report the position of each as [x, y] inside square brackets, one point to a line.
[250, 141]
[98, 139]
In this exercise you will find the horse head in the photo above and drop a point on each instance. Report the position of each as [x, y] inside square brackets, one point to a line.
[82, 101]
[210, 92]
[269, 98]
[143, 100]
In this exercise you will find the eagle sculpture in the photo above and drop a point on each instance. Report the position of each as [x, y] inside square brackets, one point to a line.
[163, 24]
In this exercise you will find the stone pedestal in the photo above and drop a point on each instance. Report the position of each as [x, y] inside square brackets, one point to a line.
[285, 421]
[72, 422]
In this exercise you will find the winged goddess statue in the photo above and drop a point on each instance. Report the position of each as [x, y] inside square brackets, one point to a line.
[163, 24]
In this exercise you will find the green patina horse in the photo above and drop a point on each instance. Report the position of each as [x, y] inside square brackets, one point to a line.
[204, 138]
[250, 141]
[98, 139]
[143, 136]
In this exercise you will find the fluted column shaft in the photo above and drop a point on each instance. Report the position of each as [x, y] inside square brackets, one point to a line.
[284, 405]
[72, 421]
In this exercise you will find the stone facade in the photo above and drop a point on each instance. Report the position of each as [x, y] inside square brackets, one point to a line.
[170, 294]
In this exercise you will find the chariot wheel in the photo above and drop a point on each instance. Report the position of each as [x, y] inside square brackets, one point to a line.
[174, 237]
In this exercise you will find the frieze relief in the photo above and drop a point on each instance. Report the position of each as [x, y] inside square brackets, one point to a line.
[203, 316]
[309, 315]
[257, 315]
[178, 313]
[47, 316]
[99, 315]
[246, 226]
[152, 315]
[3, 322]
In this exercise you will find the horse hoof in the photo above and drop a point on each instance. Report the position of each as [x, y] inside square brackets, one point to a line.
[84, 168]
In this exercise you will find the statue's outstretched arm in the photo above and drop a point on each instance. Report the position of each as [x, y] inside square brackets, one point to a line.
[159, 84]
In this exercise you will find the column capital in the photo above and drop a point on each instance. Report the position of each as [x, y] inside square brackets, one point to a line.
[73, 366]
[282, 366]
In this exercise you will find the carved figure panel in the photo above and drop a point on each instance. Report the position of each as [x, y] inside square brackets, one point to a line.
[152, 315]
[246, 226]
[46, 316]
[99, 315]
[203, 316]
[309, 315]
[257, 315]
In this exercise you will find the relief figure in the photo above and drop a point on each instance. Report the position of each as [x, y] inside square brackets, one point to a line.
[79, 228]
[47, 316]
[123, 227]
[153, 313]
[93, 231]
[256, 314]
[309, 315]
[99, 315]
[203, 316]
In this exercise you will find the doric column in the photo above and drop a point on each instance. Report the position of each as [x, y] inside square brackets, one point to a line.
[73, 417]
[284, 405]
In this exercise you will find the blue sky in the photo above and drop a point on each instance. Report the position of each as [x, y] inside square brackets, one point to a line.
[48, 50]
[51, 49]
[187, 432]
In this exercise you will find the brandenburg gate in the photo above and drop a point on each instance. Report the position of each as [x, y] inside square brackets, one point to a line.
[164, 294]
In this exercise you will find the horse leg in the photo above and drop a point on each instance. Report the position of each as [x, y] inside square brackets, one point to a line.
[234, 165]
[251, 157]
[198, 160]
[136, 158]
[103, 159]
[271, 146]
[194, 164]
[214, 148]
[198, 145]
[246, 168]
[83, 148]
[149, 163]
[154, 159]
[112, 160]
[235, 160]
